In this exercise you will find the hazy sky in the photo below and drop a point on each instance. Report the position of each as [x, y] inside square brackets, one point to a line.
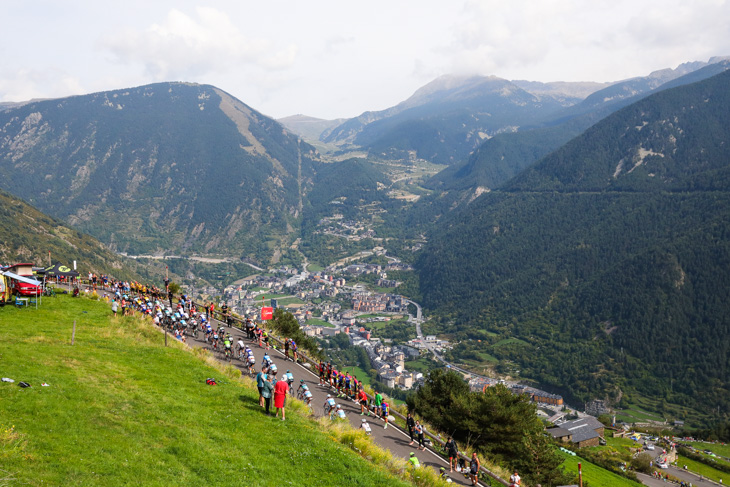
[334, 59]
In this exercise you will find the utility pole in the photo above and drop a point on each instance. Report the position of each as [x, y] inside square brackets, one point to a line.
[580, 475]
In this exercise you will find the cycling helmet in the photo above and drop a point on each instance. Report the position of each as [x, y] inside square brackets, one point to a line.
[413, 454]
[301, 381]
[287, 371]
[365, 421]
[329, 395]
[339, 407]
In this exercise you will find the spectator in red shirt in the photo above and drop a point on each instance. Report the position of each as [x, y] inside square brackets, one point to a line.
[281, 388]
[363, 400]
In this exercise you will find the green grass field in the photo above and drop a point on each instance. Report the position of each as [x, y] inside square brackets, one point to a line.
[701, 468]
[595, 476]
[423, 365]
[284, 302]
[717, 448]
[318, 322]
[123, 409]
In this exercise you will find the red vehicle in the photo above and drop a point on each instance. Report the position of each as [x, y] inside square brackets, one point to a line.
[22, 288]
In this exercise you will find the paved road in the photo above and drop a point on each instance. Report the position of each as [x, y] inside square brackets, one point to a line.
[392, 438]
[679, 473]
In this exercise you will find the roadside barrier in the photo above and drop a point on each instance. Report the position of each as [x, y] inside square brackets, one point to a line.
[306, 361]
[312, 367]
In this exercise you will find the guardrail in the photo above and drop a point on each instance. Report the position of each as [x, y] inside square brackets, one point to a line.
[313, 365]
[217, 315]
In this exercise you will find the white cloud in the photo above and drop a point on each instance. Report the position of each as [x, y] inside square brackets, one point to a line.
[331, 58]
[26, 84]
[187, 47]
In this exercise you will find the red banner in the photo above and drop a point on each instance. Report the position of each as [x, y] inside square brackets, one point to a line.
[267, 313]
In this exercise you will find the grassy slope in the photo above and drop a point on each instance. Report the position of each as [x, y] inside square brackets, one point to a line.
[122, 409]
[595, 475]
[701, 468]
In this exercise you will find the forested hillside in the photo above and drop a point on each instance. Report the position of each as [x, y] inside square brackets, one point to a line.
[28, 236]
[170, 167]
[505, 155]
[604, 269]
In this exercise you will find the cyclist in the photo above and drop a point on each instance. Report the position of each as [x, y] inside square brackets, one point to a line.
[215, 340]
[267, 360]
[227, 344]
[240, 347]
[289, 377]
[302, 388]
[366, 426]
[338, 412]
[329, 404]
[308, 398]
[251, 362]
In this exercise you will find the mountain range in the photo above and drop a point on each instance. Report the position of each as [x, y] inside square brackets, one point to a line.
[170, 167]
[576, 236]
[606, 260]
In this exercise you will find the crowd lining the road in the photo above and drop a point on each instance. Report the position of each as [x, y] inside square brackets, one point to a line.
[183, 315]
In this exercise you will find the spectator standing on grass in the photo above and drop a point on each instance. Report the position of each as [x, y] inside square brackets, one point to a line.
[266, 393]
[280, 390]
[260, 378]
[115, 306]
[411, 424]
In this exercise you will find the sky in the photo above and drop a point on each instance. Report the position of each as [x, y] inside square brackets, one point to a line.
[338, 59]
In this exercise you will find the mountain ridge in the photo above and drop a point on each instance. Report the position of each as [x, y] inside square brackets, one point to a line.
[571, 249]
[167, 154]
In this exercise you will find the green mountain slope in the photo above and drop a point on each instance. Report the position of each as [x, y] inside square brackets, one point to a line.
[122, 408]
[28, 235]
[505, 155]
[170, 166]
[608, 259]
[446, 119]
